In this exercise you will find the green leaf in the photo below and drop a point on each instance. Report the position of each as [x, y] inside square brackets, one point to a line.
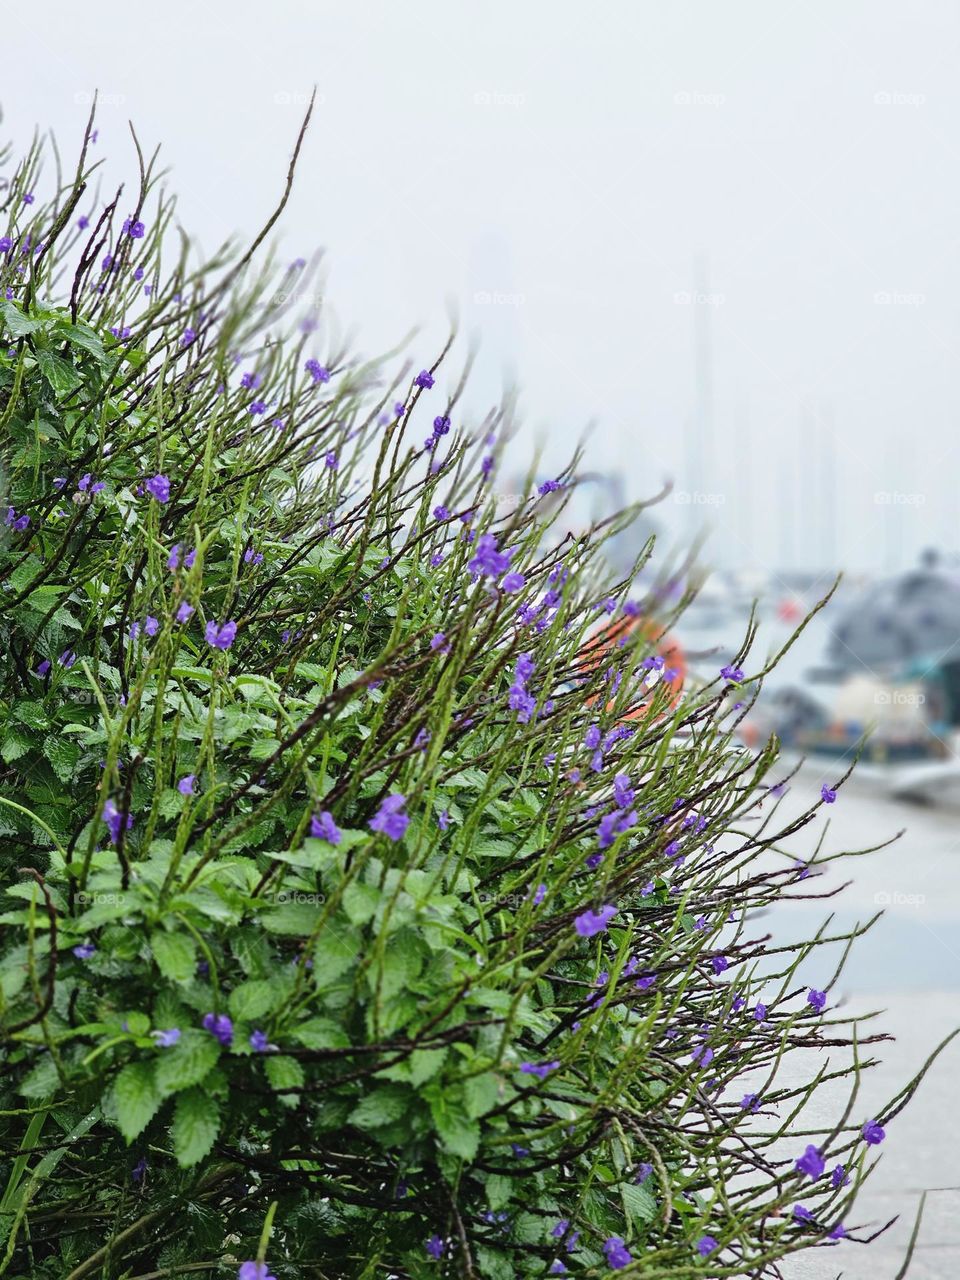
[360, 901]
[321, 1033]
[638, 1202]
[196, 1122]
[63, 756]
[175, 954]
[459, 1135]
[481, 1094]
[187, 1062]
[382, 1106]
[136, 1097]
[18, 324]
[254, 998]
[61, 375]
[285, 1072]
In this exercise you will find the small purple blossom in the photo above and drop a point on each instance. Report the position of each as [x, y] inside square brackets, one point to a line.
[817, 999]
[166, 1039]
[706, 1245]
[220, 636]
[827, 794]
[389, 819]
[873, 1133]
[811, 1163]
[158, 487]
[424, 379]
[323, 827]
[617, 1253]
[593, 922]
[219, 1026]
[84, 950]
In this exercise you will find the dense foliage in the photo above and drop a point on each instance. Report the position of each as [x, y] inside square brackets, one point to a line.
[366, 907]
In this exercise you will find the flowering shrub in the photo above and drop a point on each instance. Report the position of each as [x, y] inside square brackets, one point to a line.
[361, 914]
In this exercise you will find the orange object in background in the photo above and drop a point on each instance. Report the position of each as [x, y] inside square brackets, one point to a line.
[606, 643]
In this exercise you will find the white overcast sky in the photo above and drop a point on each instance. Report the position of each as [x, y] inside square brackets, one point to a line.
[556, 169]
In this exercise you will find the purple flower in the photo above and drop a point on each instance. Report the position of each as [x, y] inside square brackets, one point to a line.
[440, 512]
[443, 819]
[838, 1233]
[184, 611]
[256, 407]
[541, 1070]
[259, 1042]
[839, 1177]
[139, 1169]
[539, 894]
[817, 999]
[513, 582]
[186, 784]
[254, 1271]
[424, 379]
[733, 674]
[439, 641]
[114, 820]
[644, 1171]
[331, 460]
[323, 827]
[487, 559]
[134, 230]
[219, 1026]
[158, 487]
[166, 1039]
[618, 1255]
[84, 950]
[251, 381]
[43, 668]
[389, 820]
[802, 1214]
[592, 922]
[719, 964]
[827, 794]
[706, 1246]
[760, 1012]
[750, 1102]
[316, 371]
[435, 1247]
[557, 1268]
[811, 1163]
[873, 1133]
[220, 637]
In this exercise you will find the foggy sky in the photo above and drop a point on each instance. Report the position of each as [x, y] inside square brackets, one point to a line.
[594, 186]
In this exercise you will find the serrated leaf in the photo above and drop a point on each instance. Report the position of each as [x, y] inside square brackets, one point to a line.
[59, 373]
[360, 902]
[285, 1072]
[382, 1106]
[480, 1094]
[136, 1097]
[254, 998]
[196, 1122]
[175, 954]
[187, 1062]
[638, 1202]
[459, 1135]
[17, 324]
[63, 756]
[320, 1033]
